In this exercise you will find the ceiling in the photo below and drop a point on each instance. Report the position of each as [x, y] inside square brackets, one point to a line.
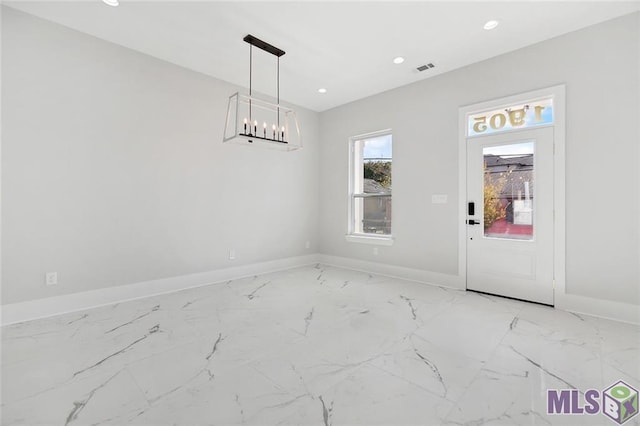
[345, 47]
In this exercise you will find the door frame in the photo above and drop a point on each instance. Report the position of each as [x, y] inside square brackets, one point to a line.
[557, 93]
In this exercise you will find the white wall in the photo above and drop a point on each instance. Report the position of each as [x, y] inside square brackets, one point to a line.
[600, 67]
[114, 171]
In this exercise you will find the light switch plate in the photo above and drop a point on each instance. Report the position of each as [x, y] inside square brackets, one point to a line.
[439, 198]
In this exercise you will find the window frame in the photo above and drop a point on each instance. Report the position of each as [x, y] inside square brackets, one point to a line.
[352, 235]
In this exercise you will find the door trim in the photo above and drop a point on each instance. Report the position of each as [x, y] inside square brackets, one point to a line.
[557, 93]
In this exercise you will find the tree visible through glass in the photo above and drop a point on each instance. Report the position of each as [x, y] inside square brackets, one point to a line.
[508, 191]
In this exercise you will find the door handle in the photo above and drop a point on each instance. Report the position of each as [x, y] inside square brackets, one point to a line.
[473, 222]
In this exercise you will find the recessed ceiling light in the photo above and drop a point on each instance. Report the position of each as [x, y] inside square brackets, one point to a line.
[111, 2]
[490, 25]
[398, 60]
[322, 90]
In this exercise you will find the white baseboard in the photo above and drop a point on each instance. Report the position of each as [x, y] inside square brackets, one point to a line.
[410, 274]
[617, 311]
[51, 306]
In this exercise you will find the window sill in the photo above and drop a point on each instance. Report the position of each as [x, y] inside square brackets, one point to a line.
[366, 239]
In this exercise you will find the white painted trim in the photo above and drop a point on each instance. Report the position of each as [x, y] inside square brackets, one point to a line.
[559, 190]
[42, 308]
[352, 172]
[616, 311]
[558, 93]
[462, 195]
[410, 274]
[51, 306]
[365, 239]
[638, 194]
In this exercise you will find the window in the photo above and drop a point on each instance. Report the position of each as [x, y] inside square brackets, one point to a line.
[370, 187]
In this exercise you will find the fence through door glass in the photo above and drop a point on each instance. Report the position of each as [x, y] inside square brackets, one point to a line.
[509, 191]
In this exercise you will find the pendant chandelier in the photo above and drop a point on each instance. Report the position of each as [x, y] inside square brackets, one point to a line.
[253, 121]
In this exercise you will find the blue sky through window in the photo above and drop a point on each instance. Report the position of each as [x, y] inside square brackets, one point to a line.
[378, 148]
[509, 150]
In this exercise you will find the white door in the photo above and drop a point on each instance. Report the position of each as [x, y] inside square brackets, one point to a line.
[510, 214]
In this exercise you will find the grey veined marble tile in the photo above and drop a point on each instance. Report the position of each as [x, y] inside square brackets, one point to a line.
[317, 345]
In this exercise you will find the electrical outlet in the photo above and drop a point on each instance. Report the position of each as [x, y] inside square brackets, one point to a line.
[51, 278]
[307, 245]
[375, 251]
[232, 254]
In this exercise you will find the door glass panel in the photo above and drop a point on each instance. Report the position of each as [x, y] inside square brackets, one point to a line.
[515, 117]
[509, 191]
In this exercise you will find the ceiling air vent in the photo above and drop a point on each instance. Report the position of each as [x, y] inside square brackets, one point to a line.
[425, 67]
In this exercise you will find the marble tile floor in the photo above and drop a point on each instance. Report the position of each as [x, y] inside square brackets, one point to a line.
[315, 345]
